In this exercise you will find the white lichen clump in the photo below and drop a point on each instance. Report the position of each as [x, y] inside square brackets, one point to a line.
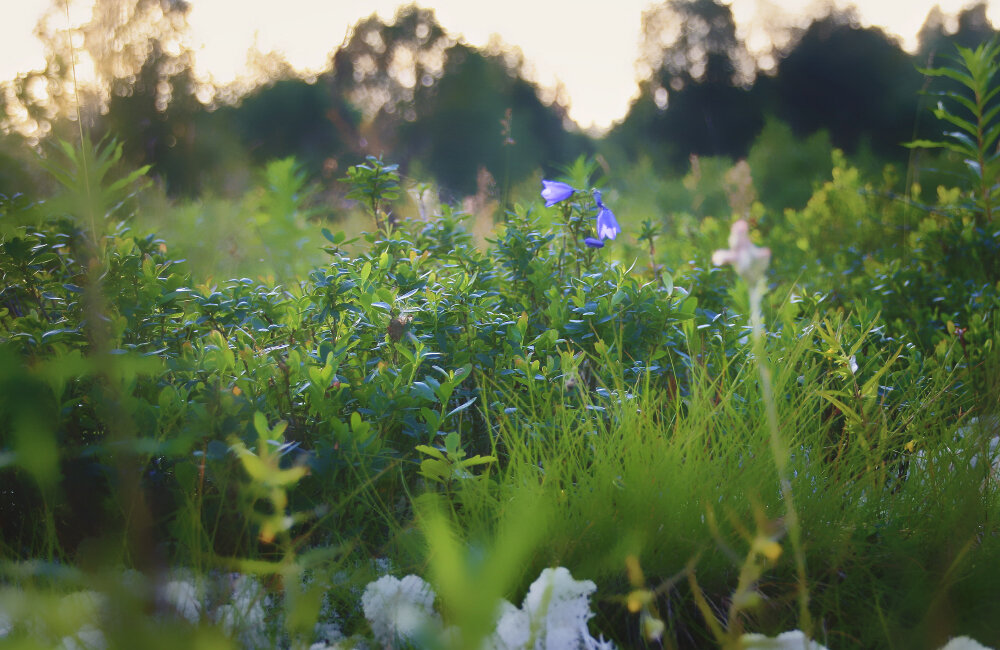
[183, 598]
[400, 610]
[794, 640]
[243, 617]
[797, 640]
[553, 616]
[964, 643]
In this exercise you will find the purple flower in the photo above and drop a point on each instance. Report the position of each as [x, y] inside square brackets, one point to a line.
[594, 242]
[607, 225]
[554, 191]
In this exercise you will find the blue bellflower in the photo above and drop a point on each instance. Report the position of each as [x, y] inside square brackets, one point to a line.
[554, 192]
[607, 225]
[594, 242]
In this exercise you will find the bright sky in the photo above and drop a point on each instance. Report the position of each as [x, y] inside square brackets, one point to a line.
[589, 47]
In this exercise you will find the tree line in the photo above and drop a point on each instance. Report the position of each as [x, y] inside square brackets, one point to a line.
[407, 89]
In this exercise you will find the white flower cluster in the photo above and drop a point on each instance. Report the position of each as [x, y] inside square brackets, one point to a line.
[964, 643]
[237, 603]
[241, 614]
[181, 594]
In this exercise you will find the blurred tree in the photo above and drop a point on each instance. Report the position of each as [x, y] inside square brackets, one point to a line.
[970, 28]
[293, 117]
[933, 35]
[38, 101]
[856, 83]
[19, 172]
[123, 36]
[399, 88]
[974, 27]
[693, 41]
[154, 113]
[381, 66]
[483, 114]
[422, 95]
[141, 61]
[696, 95]
[140, 68]
[786, 169]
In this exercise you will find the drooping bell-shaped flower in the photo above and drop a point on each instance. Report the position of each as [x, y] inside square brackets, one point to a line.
[607, 225]
[555, 191]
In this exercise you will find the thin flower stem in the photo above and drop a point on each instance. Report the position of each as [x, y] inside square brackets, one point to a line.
[85, 150]
[562, 253]
[780, 452]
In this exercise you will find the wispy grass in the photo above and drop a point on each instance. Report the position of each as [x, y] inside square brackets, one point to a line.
[679, 479]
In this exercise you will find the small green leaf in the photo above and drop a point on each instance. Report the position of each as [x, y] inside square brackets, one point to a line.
[462, 407]
[451, 444]
[260, 424]
[668, 284]
[278, 432]
[478, 460]
[335, 239]
[435, 470]
[424, 391]
[430, 451]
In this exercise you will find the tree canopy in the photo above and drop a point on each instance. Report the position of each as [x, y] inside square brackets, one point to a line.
[408, 89]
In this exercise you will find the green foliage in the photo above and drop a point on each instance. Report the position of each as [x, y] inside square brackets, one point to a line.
[786, 169]
[92, 197]
[409, 400]
[273, 231]
[974, 113]
[373, 184]
[449, 463]
[486, 413]
[268, 479]
[472, 574]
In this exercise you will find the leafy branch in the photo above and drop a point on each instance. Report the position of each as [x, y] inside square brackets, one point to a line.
[973, 112]
[374, 183]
